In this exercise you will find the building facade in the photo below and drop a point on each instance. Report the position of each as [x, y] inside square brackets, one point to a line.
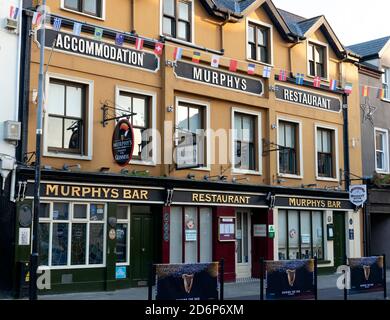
[269, 145]
[374, 74]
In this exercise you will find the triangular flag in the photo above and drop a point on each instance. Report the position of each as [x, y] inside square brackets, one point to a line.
[215, 61]
[233, 65]
[158, 48]
[139, 44]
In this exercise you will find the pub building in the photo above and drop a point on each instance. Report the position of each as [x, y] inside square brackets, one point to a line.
[273, 189]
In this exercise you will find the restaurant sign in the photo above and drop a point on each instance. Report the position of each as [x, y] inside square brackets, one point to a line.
[94, 49]
[308, 99]
[218, 78]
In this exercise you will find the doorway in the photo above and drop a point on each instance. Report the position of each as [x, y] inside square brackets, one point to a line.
[339, 238]
[243, 244]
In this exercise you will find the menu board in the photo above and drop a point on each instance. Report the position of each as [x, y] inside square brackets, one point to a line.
[227, 229]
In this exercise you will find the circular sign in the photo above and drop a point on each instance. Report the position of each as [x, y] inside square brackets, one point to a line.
[123, 142]
[358, 194]
[293, 233]
[25, 216]
[112, 234]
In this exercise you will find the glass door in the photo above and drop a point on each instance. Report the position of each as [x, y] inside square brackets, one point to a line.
[243, 244]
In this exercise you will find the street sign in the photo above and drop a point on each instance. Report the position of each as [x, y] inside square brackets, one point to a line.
[358, 194]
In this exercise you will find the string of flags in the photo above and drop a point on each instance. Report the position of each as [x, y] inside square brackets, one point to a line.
[14, 12]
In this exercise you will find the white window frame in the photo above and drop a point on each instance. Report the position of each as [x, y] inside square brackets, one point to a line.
[336, 152]
[326, 58]
[259, 144]
[205, 105]
[89, 112]
[192, 24]
[102, 18]
[271, 41]
[386, 73]
[153, 98]
[386, 151]
[71, 221]
[128, 222]
[300, 151]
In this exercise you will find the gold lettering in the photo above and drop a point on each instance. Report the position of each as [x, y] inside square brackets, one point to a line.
[201, 197]
[247, 200]
[63, 193]
[51, 189]
[231, 199]
[292, 202]
[106, 191]
[144, 194]
[338, 204]
[195, 197]
[76, 191]
[208, 198]
[96, 192]
[135, 194]
[127, 194]
[115, 193]
[85, 191]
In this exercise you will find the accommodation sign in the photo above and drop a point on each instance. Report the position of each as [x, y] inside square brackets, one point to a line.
[217, 78]
[307, 98]
[107, 52]
[298, 202]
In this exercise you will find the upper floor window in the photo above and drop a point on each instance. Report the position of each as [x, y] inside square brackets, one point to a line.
[381, 150]
[177, 19]
[259, 43]
[325, 153]
[317, 60]
[386, 83]
[90, 7]
[288, 142]
[245, 151]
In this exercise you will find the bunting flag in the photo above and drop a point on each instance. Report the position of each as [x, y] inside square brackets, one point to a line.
[333, 85]
[57, 24]
[177, 53]
[119, 39]
[348, 88]
[77, 28]
[139, 44]
[282, 75]
[365, 91]
[37, 18]
[158, 48]
[267, 72]
[251, 68]
[299, 78]
[233, 65]
[13, 12]
[317, 82]
[196, 57]
[381, 93]
[98, 34]
[215, 61]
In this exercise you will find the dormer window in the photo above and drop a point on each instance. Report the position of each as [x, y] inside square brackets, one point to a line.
[317, 60]
[259, 48]
[177, 19]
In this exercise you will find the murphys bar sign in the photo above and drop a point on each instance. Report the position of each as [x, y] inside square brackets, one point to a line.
[93, 49]
[97, 192]
[217, 78]
[307, 98]
[298, 202]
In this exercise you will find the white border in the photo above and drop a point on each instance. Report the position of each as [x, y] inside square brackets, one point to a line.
[128, 222]
[386, 151]
[89, 111]
[300, 138]
[153, 97]
[102, 18]
[386, 70]
[336, 152]
[271, 41]
[257, 137]
[326, 60]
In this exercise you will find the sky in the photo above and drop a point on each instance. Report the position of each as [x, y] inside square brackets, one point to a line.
[353, 21]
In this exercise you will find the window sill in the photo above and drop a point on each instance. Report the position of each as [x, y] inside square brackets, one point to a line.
[327, 179]
[66, 156]
[123, 264]
[386, 100]
[320, 262]
[92, 266]
[83, 14]
[290, 176]
[260, 63]
[249, 172]
[172, 39]
[382, 171]
[143, 163]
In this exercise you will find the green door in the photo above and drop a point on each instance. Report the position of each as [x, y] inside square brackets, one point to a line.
[141, 248]
[339, 238]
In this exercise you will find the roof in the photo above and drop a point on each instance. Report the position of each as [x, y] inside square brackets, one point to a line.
[369, 48]
[235, 6]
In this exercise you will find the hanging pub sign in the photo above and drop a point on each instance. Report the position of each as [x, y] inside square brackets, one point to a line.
[290, 279]
[367, 274]
[308, 99]
[123, 142]
[93, 49]
[358, 194]
[218, 78]
[187, 281]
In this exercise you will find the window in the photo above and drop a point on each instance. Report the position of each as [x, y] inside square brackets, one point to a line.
[300, 235]
[71, 234]
[122, 234]
[386, 83]
[381, 150]
[90, 7]
[140, 107]
[66, 117]
[317, 60]
[245, 150]
[288, 142]
[325, 154]
[259, 43]
[177, 16]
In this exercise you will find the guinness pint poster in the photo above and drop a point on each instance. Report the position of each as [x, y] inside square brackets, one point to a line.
[366, 274]
[293, 279]
[187, 281]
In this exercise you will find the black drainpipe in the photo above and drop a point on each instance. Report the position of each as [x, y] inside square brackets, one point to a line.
[346, 143]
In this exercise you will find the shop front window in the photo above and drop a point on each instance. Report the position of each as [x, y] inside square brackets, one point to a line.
[122, 234]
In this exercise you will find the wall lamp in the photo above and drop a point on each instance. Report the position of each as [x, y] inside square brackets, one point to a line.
[312, 185]
[104, 169]
[67, 167]
[125, 171]
[235, 179]
[141, 172]
[190, 176]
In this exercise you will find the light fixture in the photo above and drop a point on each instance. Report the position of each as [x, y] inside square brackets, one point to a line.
[141, 172]
[104, 169]
[279, 180]
[311, 185]
[125, 171]
[67, 167]
[190, 176]
[170, 109]
[235, 179]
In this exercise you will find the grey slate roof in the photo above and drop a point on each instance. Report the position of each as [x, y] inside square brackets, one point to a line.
[235, 6]
[369, 48]
[297, 24]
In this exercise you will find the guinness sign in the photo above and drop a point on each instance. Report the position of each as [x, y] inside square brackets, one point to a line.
[217, 78]
[307, 98]
[123, 142]
[108, 52]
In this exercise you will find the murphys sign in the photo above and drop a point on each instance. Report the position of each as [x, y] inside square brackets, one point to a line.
[93, 49]
[123, 142]
[358, 194]
[218, 78]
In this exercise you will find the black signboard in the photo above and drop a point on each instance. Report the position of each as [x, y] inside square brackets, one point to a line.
[291, 279]
[94, 49]
[314, 203]
[218, 78]
[307, 98]
[123, 142]
[187, 281]
[367, 274]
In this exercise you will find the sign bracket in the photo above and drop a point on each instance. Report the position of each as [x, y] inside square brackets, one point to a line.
[109, 114]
